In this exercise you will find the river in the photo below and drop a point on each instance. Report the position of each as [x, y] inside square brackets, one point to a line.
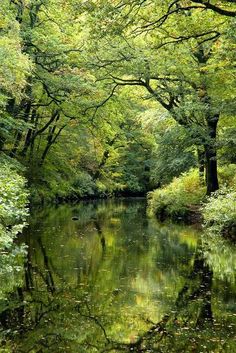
[101, 276]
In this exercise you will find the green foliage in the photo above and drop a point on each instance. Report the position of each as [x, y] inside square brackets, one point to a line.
[220, 212]
[227, 175]
[179, 61]
[103, 98]
[227, 141]
[15, 65]
[178, 199]
[110, 156]
[55, 90]
[173, 155]
[13, 197]
[54, 184]
[185, 194]
[13, 212]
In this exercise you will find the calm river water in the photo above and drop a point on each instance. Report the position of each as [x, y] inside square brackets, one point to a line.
[103, 277]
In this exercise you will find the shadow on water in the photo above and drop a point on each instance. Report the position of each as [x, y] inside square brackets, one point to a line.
[102, 277]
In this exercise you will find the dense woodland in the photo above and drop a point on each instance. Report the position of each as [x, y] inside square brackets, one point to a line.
[111, 98]
[116, 97]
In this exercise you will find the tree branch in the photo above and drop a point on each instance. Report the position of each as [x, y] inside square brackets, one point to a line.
[216, 8]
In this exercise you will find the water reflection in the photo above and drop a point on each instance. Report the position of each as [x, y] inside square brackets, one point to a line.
[101, 277]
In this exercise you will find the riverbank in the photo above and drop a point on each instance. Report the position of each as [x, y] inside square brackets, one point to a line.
[185, 200]
[42, 195]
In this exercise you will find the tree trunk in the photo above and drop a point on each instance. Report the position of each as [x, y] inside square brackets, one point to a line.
[49, 143]
[29, 134]
[51, 139]
[33, 134]
[211, 156]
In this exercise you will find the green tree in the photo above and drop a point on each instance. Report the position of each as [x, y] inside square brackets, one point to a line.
[15, 69]
[179, 64]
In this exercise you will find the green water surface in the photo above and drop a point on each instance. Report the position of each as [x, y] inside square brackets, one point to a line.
[103, 277]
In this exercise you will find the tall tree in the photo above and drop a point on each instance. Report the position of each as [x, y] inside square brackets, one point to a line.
[179, 64]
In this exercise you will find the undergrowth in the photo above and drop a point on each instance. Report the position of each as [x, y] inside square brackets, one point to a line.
[178, 199]
[186, 195]
[219, 213]
[13, 213]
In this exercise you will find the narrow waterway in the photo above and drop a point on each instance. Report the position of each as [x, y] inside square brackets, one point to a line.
[103, 277]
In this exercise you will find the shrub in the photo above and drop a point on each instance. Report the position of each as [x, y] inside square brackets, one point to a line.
[13, 196]
[49, 184]
[227, 175]
[13, 212]
[220, 212]
[179, 199]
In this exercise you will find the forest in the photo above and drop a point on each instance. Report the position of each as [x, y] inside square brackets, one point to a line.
[103, 102]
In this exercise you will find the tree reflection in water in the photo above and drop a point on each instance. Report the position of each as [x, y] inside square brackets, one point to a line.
[115, 282]
[192, 312]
